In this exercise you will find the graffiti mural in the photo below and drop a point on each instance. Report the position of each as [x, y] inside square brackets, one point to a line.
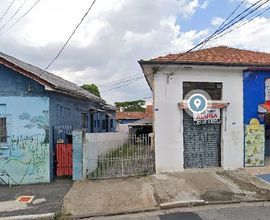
[25, 156]
[254, 144]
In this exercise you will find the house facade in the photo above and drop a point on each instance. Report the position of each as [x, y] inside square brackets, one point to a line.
[234, 82]
[36, 109]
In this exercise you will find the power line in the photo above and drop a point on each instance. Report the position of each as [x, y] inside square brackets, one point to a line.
[208, 38]
[124, 85]
[201, 43]
[20, 18]
[122, 81]
[223, 23]
[233, 23]
[73, 32]
[225, 26]
[14, 14]
[118, 81]
[242, 24]
[7, 10]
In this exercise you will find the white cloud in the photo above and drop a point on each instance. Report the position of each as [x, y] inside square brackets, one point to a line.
[253, 35]
[107, 46]
[217, 21]
[205, 4]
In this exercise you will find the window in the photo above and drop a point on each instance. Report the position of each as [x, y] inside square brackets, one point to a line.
[84, 120]
[3, 130]
[103, 124]
[111, 123]
[214, 89]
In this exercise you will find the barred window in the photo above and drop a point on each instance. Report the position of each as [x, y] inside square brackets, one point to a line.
[3, 130]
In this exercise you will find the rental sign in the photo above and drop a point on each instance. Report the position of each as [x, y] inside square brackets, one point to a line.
[209, 116]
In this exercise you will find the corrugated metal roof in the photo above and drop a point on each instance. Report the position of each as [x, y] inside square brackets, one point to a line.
[58, 83]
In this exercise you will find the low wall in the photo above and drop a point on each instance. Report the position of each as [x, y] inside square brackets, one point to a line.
[97, 144]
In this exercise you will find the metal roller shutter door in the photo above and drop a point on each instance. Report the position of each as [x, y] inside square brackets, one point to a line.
[201, 144]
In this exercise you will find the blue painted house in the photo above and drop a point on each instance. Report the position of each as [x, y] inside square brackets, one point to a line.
[36, 109]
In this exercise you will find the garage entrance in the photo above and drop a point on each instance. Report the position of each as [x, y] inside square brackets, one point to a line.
[202, 142]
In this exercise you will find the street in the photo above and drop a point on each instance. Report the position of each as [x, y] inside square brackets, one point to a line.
[259, 211]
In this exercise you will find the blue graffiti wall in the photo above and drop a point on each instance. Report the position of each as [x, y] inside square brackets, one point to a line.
[24, 153]
[254, 93]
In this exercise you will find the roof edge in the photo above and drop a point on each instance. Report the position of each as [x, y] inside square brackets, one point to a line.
[151, 62]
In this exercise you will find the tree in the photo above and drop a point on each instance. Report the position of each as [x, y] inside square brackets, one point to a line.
[131, 106]
[92, 88]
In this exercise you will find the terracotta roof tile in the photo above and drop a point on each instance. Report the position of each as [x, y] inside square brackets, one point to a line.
[149, 112]
[221, 55]
[129, 115]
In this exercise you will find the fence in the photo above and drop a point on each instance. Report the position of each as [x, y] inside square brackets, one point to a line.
[98, 144]
[111, 155]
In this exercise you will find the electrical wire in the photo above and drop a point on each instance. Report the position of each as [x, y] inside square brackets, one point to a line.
[221, 29]
[124, 85]
[118, 81]
[21, 17]
[10, 5]
[242, 18]
[242, 24]
[13, 15]
[231, 25]
[124, 81]
[69, 38]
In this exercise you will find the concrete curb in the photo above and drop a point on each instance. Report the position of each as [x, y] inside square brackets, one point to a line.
[115, 213]
[26, 217]
[168, 205]
[177, 204]
[236, 201]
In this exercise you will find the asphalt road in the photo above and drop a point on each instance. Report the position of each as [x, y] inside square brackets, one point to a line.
[48, 198]
[248, 212]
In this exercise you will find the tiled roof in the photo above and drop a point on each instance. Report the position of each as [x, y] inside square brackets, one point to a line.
[54, 82]
[221, 55]
[149, 112]
[129, 115]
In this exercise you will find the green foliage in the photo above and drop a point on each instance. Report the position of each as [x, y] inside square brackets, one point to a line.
[131, 106]
[92, 88]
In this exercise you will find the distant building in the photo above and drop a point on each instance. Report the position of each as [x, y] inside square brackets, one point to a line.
[131, 122]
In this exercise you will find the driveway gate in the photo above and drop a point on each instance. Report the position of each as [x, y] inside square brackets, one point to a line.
[133, 157]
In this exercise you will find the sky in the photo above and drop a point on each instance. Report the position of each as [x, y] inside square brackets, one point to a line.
[118, 33]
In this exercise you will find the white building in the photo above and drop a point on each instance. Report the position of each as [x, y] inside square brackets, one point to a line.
[179, 142]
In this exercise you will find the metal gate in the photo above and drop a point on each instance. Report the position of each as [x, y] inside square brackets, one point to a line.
[201, 144]
[62, 138]
[64, 159]
[134, 157]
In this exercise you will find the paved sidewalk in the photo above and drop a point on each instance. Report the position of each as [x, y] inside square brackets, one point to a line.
[110, 196]
[91, 198]
[47, 198]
